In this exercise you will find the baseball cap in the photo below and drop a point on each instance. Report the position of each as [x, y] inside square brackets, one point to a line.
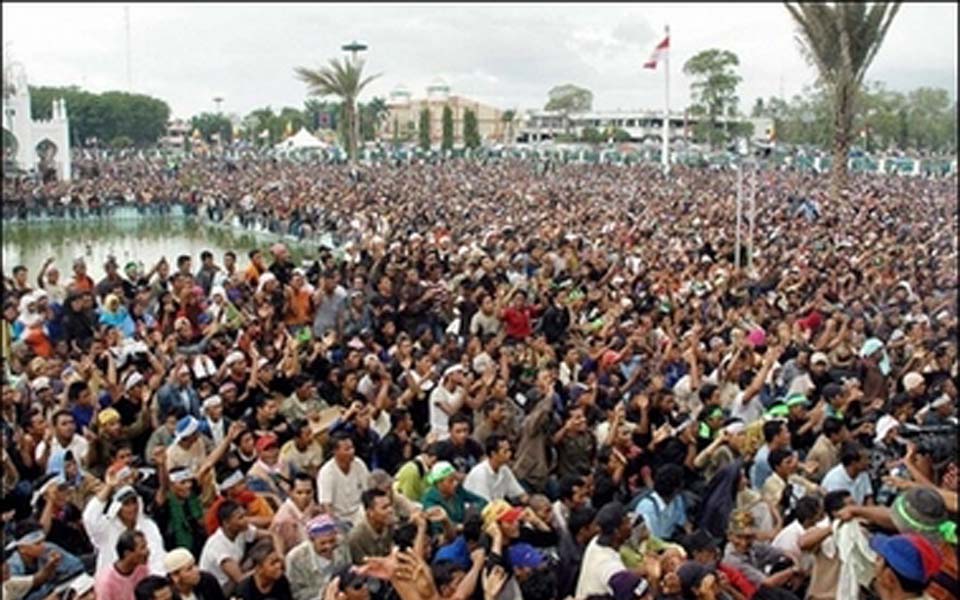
[909, 555]
[628, 586]
[525, 556]
[455, 552]
[819, 358]
[266, 441]
[501, 511]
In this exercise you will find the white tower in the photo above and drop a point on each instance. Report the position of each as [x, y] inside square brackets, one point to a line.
[31, 134]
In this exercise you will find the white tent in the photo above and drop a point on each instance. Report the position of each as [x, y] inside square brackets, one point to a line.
[300, 140]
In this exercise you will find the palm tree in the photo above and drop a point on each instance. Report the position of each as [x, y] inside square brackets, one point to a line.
[841, 40]
[344, 79]
[508, 117]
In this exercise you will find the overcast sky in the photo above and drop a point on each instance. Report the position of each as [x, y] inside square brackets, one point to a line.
[508, 55]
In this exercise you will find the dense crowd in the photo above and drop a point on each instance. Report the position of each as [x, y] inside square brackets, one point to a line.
[500, 381]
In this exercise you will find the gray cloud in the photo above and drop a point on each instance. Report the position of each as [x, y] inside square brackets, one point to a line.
[506, 54]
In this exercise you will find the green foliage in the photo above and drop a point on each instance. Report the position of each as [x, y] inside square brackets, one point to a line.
[592, 135]
[105, 116]
[446, 140]
[713, 91]
[343, 79]
[424, 129]
[619, 135]
[841, 40]
[372, 115]
[569, 98]
[923, 119]
[509, 118]
[121, 141]
[213, 124]
[471, 130]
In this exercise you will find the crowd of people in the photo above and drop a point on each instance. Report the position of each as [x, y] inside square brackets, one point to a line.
[498, 381]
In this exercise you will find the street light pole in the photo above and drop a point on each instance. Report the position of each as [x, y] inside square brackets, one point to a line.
[354, 48]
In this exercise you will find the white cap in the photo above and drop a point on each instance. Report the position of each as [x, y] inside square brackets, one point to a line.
[40, 383]
[912, 380]
[819, 357]
[234, 357]
[884, 425]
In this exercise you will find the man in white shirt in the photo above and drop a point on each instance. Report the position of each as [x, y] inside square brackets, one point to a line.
[224, 550]
[601, 560]
[492, 479]
[64, 437]
[342, 480]
[808, 512]
[851, 474]
[445, 400]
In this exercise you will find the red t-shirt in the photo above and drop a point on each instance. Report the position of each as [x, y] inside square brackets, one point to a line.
[518, 321]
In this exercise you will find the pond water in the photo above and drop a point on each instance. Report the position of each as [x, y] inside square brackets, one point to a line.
[144, 240]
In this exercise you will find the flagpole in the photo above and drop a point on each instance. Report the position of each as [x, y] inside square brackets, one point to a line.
[666, 107]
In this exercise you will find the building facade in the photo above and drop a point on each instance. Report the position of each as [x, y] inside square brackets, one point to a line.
[403, 118]
[641, 125]
[42, 144]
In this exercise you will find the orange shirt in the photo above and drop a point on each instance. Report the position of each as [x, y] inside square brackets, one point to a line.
[299, 308]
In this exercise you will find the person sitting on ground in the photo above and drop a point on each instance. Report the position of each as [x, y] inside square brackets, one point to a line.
[311, 564]
[267, 582]
[117, 581]
[47, 564]
[187, 578]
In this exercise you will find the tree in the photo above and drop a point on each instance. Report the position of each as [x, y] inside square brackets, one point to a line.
[105, 116]
[343, 79]
[424, 129]
[508, 118]
[592, 135]
[567, 99]
[213, 126]
[471, 131]
[120, 142]
[446, 141]
[619, 135]
[841, 40]
[713, 90]
[372, 116]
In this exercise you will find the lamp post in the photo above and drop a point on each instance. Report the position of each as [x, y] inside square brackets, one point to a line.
[218, 100]
[355, 48]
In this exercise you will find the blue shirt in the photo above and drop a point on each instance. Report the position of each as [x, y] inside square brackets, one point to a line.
[761, 468]
[662, 519]
[859, 487]
[69, 566]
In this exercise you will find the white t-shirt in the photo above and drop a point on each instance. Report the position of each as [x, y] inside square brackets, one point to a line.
[219, 548]
[750, 412]
[600, 563]
[788, 540]
[78, 445]
[438, 418]
[343, 490]
[482, 481]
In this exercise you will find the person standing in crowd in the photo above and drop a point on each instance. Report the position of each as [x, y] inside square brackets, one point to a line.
[118, 580]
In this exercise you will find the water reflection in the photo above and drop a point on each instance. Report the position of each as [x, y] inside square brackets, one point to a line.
[141, 240]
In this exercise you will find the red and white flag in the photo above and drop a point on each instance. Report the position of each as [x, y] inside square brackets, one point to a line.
[658, 54]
